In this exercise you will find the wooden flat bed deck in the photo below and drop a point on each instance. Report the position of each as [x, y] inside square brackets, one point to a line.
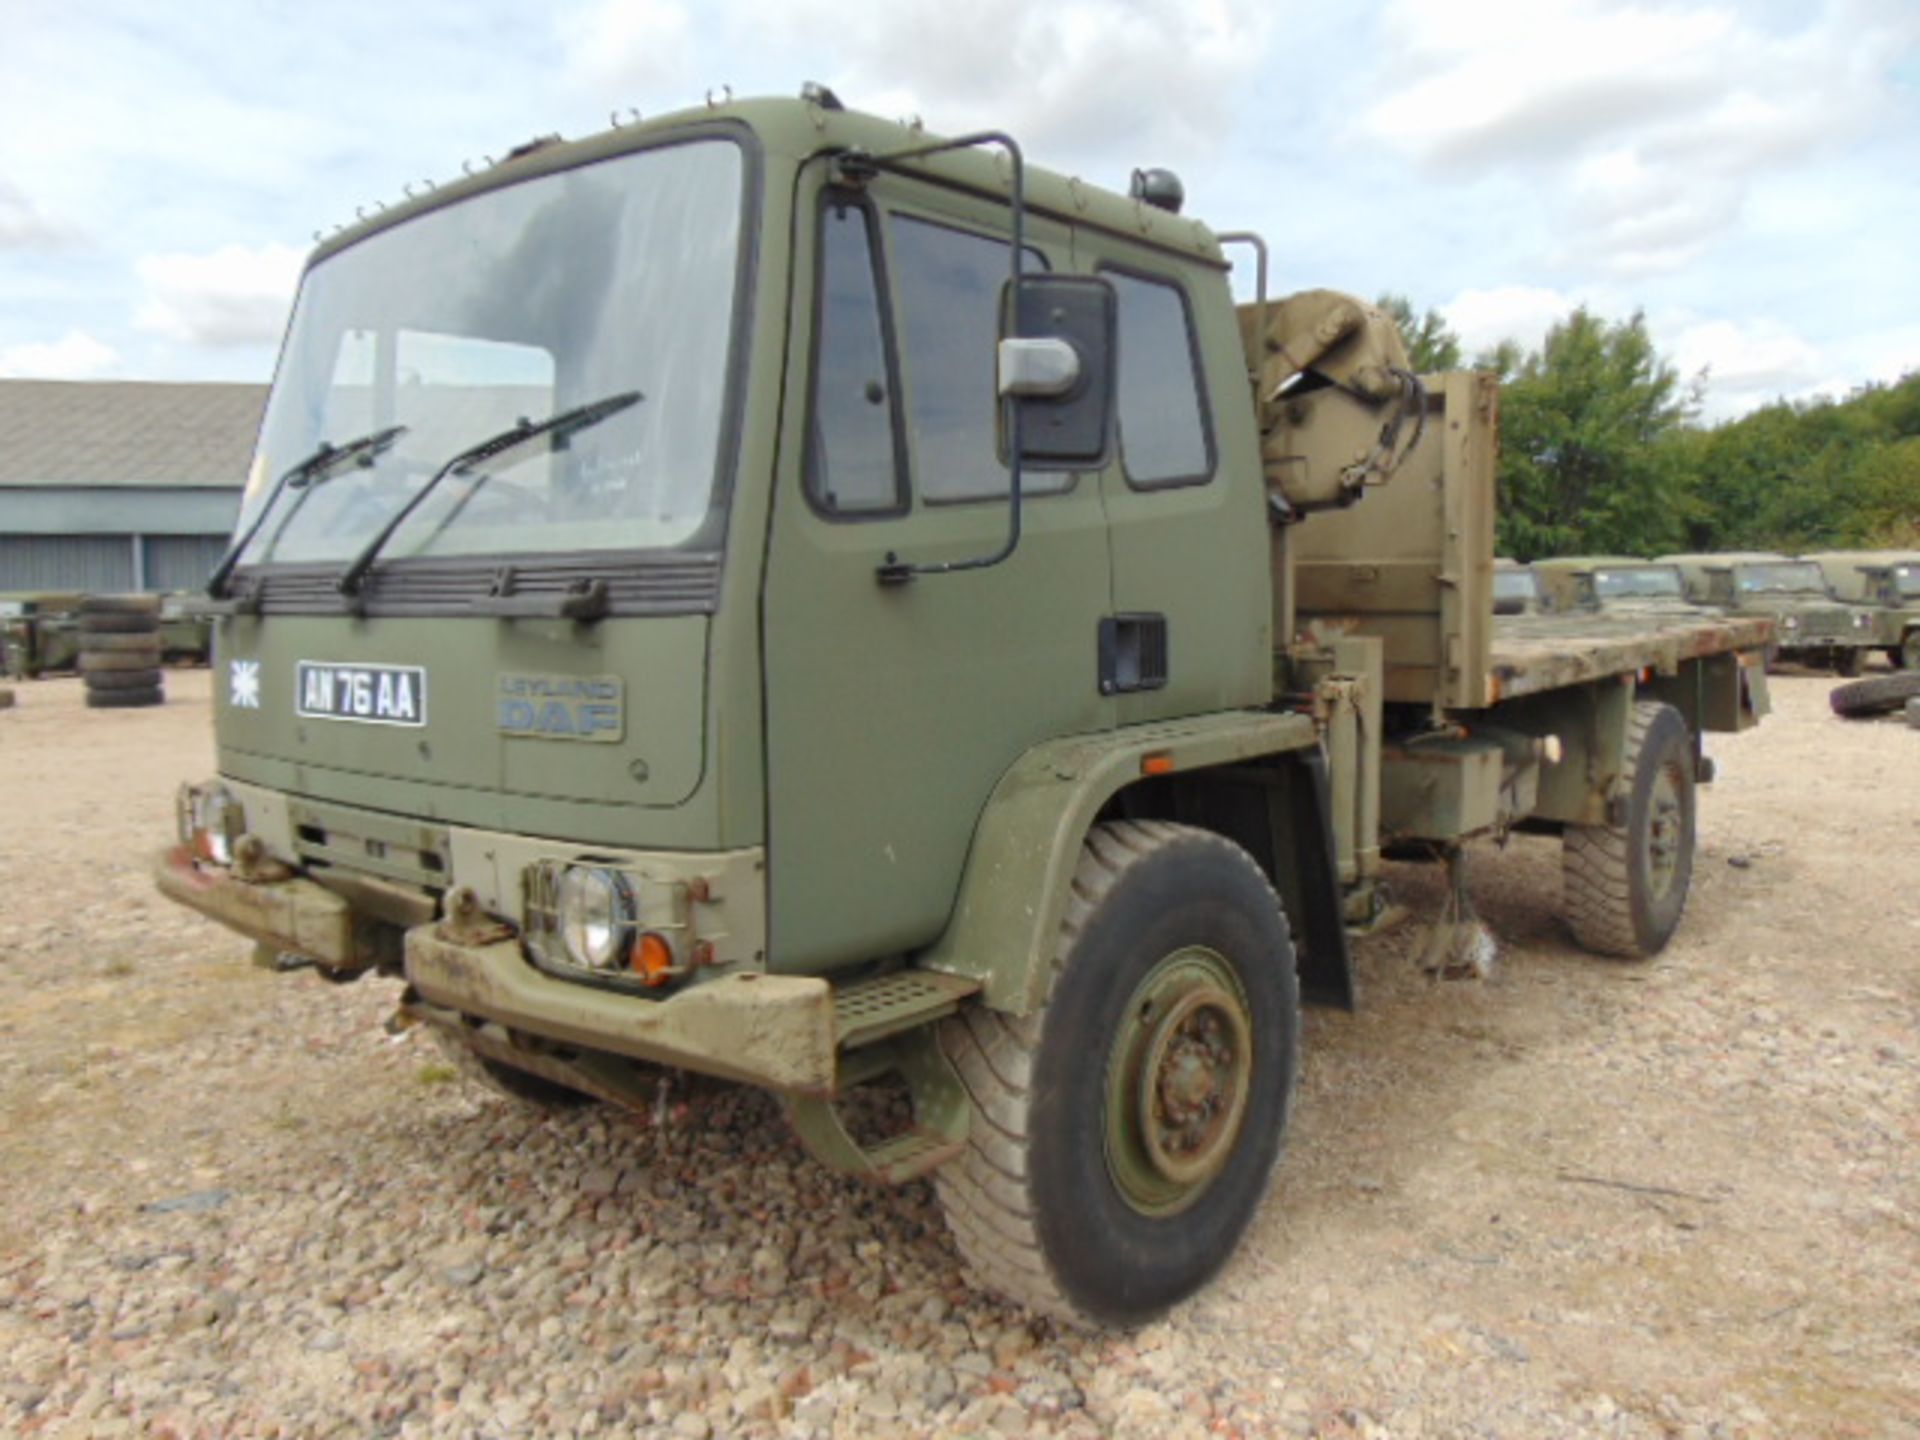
[1532, 653]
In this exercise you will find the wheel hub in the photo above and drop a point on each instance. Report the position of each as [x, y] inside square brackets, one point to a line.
[1178, 1081]
[1664, 831]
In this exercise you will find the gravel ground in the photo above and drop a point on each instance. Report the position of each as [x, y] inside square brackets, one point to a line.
[1578, 1198]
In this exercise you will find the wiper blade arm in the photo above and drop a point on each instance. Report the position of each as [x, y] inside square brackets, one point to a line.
[326, 461]
[561, 427]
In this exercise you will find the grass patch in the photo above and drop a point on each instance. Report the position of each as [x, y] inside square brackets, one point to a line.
[436, 1073]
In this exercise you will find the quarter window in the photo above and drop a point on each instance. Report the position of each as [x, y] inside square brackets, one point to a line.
[1163, 428]
[947, 297]
[853, 456]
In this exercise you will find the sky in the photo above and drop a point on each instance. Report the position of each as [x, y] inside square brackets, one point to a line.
[1747, 175]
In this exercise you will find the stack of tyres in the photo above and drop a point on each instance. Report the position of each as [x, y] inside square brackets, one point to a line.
[120, 650]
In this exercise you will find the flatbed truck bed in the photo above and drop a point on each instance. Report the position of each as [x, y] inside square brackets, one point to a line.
[1529, 654]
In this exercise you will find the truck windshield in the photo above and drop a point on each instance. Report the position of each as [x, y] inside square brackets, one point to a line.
[1801, 577]
[1906, 579]
[514, 305]
[1638, 582]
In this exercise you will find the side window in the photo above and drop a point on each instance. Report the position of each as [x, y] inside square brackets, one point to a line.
[1164, 439]
[853, 456]
[947, 286]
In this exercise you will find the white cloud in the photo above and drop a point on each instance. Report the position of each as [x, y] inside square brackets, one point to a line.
[618, 45]
[1641, 129]
[1521, 313]
[1073, 76]
[1077, 75]
[1761, 357]
[230, 296]
[74, 356]
[23, 226]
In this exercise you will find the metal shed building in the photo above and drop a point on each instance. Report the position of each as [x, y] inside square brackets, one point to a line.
[120, 485]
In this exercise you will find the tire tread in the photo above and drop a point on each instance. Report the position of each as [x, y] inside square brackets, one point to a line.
[986, 1191]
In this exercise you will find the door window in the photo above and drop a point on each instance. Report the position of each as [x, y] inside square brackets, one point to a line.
[853, 450]
[1164, 438]
[947, 287]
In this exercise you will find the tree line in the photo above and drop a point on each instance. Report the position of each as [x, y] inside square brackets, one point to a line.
[1602, 452]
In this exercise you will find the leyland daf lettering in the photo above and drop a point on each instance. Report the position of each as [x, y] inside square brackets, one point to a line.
[562, 707]
[377, 694]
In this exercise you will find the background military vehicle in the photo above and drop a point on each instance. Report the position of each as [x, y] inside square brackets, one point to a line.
[1888, 583]
[39, 632]
[936, 632]
[1811, 625]
[1516, 589]
[186, 630]
[1616, 583]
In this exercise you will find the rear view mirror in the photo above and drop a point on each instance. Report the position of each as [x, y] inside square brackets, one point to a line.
[1056, 364]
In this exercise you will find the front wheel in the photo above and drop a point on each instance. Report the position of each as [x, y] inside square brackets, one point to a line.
[1123, 1135]
[1849, 662]
[1624, 887]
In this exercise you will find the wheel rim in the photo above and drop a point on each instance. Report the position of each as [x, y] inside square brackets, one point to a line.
[1666, 831]
[1178, 1078]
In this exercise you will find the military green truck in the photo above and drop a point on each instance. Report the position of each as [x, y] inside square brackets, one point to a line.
[1888, 583]
[771, 593]
[39, 632]
[186, 629]
[1812, 626]
[1618, 584]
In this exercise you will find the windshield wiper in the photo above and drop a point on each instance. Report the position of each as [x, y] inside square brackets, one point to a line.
[561, 427]
[323, 464]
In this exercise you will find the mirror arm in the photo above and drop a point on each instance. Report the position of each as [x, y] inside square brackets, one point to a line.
[1248, 237]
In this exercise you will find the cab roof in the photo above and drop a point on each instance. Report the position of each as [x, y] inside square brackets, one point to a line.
[1577, 563]
[798, 129]
[1727, 560]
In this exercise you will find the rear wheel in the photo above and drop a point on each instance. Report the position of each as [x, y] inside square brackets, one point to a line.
[1123, 1135]
[1907, 657]
[1625, 886]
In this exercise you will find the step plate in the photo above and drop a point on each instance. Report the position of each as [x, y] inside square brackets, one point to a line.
[871, 1010]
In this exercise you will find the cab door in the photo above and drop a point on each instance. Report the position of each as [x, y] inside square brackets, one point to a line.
[1192, 569]
[892, 710]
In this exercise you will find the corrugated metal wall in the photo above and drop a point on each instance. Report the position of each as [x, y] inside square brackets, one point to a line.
[104, 563]
[182, 562]
[66, 562]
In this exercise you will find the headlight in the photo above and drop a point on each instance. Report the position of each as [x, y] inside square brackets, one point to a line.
[1792, 622]
[1859, 621]
[589, 918]
[210, 820]
[595, 915]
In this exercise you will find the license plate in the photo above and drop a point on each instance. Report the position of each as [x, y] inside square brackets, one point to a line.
[373, 694]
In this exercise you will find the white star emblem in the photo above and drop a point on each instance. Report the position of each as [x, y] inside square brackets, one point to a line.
[243, 685]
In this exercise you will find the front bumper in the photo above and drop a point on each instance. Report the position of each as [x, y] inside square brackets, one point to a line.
[290, 914]
[776, 1031]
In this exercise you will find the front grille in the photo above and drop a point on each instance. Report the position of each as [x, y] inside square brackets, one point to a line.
[384, 846]
[647, 585]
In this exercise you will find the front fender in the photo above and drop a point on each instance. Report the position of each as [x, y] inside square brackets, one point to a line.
[1027, 844]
